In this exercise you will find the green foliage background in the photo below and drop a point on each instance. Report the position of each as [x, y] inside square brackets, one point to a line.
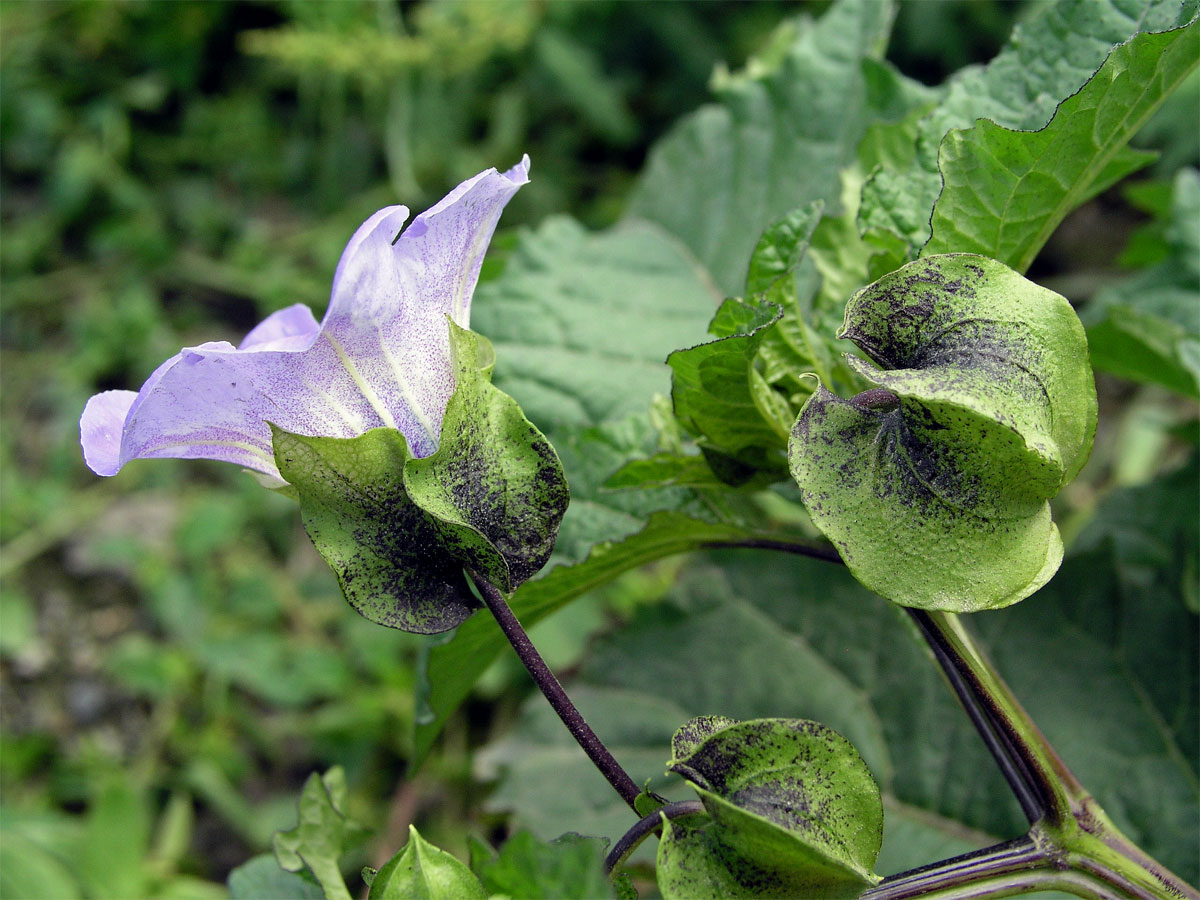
[175, 659]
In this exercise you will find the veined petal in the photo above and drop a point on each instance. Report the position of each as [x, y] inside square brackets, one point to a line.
[381, 356]
[392, 294]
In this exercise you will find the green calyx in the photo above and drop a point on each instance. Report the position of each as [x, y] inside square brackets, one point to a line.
[792, 812]
[421, 871]
[399, 531]
[934, 484]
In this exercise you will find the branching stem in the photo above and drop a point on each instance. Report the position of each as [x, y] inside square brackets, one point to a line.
[554, 693]
[1071, 847]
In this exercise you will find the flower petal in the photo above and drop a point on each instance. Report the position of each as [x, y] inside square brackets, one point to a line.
[292, 328]
[100, 429]
[391, 296]
[381, 357]
[214, 402]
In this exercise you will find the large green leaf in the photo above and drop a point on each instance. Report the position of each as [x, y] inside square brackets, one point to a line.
[29, 870]
[1004, 191]
[494, 486]
[1103, 658]
[1048, 58]
[792, 796]
[116, 837]
[1147, 327]
[934, 486]
[582, 322]
[776, 139]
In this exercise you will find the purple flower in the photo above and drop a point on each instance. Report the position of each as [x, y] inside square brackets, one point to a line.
[381, 356]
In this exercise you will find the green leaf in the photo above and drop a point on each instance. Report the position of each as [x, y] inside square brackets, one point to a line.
[791, 795]
[713, 385]
[582, 322]
[647, 802]
[598, 514]
[795, 345]
[1049, 57]
[116, 838]
[691, 734]
[27, 870]
[780, 250]
[664, 470]
[453, 668]
[1004, 191]
[1152, 536]
[420, 871]
[262, 879]
[934, 487]
[387, 553]
[494, 487]
[1147, 327]
[776, 139]
[570, 867]
[320, 835]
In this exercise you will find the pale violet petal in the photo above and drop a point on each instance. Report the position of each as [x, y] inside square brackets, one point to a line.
[391, 297]
[292, 328]
[380, 230]
[379, 358]
[216, 401]
[100, 429]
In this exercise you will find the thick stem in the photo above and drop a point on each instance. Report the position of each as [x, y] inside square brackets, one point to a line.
[1014, 867]
[1084, 852]
[1061, 811]
[554, 693]
[1004, 726]
[1106, 855]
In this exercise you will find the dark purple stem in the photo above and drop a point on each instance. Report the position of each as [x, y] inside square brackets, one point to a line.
[647, 826]
[557, 697]
[1035, 798]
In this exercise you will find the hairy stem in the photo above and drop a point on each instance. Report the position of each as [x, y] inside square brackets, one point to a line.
[554, 693]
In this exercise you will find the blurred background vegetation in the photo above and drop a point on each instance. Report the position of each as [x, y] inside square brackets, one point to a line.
[174, 657]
